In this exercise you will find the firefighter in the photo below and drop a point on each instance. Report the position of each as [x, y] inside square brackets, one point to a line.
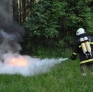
[84, 47]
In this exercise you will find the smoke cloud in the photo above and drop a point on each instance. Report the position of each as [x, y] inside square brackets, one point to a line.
[11, 62]
[31, 67]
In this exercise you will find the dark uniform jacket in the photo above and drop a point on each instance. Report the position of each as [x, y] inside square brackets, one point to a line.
[78, 49]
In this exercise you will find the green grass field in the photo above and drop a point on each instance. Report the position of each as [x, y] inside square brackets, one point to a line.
[64, 77]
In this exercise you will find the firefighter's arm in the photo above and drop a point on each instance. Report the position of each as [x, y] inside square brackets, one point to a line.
[73, 56]
[75, 51]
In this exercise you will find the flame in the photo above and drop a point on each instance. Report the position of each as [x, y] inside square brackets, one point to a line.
[18, 62]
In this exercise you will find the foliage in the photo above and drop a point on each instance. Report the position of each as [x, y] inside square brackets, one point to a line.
[42, 20]
[78, 14]
[56, 22]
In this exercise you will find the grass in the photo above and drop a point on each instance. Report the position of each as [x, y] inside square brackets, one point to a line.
[64, 77]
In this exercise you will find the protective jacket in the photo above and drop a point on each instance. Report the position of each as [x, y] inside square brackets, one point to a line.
[78, 49]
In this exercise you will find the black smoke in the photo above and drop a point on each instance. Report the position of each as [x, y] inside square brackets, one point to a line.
[11, 33]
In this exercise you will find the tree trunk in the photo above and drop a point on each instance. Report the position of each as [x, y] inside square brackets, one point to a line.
[4, 11]
[7, 11]
[20, 14]
[23, 11]
[15, 10]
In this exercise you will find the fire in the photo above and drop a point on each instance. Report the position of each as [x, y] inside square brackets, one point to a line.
[18, 62]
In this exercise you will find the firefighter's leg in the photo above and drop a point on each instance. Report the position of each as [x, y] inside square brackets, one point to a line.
[83, 68]
[90, 66]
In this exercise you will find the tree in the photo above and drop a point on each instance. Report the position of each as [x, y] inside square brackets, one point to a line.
[23, 10]
[15, 10]
[4, 11]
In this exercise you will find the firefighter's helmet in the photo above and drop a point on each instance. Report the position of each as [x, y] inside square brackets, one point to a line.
[80, 31]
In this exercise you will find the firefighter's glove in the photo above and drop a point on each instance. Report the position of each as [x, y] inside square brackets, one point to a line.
[73, 57]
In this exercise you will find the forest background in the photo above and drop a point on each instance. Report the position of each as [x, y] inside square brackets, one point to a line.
[51, 24]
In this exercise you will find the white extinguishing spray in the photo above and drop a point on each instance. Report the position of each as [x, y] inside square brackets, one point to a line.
[86, 46]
